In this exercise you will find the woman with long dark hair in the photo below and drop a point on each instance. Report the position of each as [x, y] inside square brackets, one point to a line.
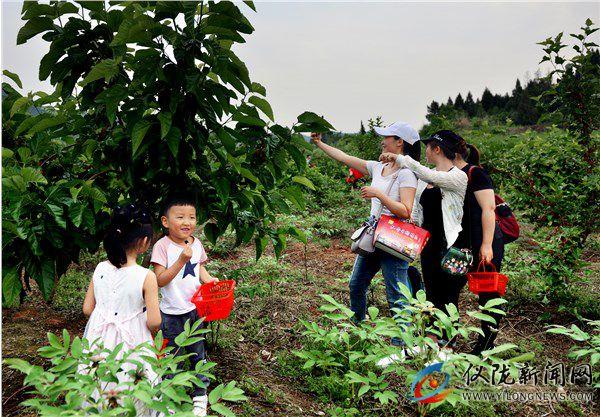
[480, 229]
[438, 208]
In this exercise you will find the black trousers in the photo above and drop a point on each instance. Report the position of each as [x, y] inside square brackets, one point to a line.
[172, 325]
[441, 288]
[490, 330]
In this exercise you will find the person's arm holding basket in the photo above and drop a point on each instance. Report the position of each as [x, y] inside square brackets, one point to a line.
[485, 199]
[205, 276]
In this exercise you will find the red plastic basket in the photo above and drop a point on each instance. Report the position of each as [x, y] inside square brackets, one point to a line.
[483, 281]
[214, 300]
[161, 353]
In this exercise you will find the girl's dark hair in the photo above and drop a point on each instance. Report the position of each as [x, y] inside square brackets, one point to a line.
[129, 225]
[469, 152]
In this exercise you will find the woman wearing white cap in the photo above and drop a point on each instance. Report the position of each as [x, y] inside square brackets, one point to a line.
[391, 192]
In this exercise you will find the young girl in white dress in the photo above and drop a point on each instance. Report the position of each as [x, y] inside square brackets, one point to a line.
[122, 298]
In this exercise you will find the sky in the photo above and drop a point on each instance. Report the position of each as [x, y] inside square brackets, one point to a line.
[351, 61]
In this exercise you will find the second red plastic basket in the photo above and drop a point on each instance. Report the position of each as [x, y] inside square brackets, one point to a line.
[487, 281]
[214, 300]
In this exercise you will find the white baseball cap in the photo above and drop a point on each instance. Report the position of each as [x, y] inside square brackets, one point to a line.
[402, 130]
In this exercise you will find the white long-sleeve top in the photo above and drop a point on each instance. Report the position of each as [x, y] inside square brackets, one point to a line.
[453, 186]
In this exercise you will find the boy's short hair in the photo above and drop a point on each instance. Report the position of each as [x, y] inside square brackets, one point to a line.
[178, 200]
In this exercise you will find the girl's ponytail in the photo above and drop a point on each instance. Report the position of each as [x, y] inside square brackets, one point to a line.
[129, 225]
[468, 152]
[414, 151]
[114, 248]
[473, 155]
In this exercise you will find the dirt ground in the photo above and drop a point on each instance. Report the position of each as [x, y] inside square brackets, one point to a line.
[261, 329]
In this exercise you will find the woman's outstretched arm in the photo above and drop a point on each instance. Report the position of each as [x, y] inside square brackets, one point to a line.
[348, 160]
[452, 180]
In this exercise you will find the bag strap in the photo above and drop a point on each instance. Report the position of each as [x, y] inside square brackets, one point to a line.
[469, 204]
[387, 191]
[471, 171]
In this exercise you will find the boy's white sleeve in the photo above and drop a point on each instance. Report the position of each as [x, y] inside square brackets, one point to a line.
[159, 254]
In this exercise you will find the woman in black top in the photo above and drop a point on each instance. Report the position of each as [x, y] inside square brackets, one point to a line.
[442, 288]
[480, 231]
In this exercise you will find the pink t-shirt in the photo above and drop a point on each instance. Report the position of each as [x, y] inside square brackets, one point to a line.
[177, 294]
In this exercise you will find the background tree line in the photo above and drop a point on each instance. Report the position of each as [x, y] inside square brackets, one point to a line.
[520, 105]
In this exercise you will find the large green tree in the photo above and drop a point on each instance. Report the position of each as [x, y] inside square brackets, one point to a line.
[149, 98]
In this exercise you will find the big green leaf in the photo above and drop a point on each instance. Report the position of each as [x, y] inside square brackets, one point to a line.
[312, 119]
[106, 69]
[165, 123]
[34, 26]
[45, 278]
[33, 175]
[304, 181]
[173, 138]
[13, 77]
[263, 105]
[48, 122]
[138, 134]
[11, 286]
[94, 6]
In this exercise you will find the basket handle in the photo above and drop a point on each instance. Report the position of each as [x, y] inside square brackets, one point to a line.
[482, 265]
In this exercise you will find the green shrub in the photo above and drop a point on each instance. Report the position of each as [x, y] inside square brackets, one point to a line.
[340, 349]
[590, 351]
[82, 378]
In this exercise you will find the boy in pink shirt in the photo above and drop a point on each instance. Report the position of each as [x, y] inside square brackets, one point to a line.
[178, 260]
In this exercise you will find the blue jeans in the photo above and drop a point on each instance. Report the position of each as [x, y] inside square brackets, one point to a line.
[394, 272]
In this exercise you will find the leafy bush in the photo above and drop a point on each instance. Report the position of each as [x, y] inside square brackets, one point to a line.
[349, 352]
[590, 351]
[329, 190]
[84, 378]
[548, 180]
